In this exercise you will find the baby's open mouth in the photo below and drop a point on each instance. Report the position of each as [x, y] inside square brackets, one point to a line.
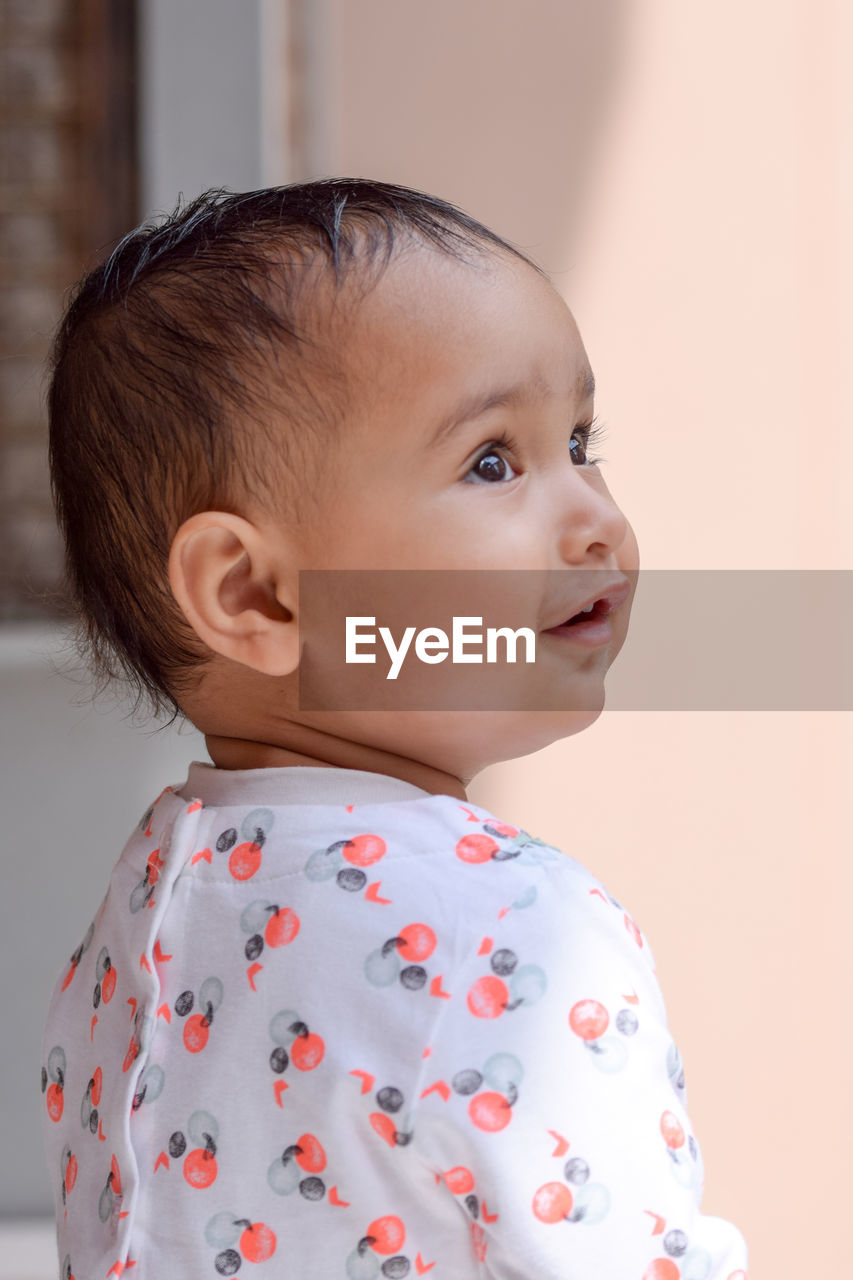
[596, 610]
[590, 625]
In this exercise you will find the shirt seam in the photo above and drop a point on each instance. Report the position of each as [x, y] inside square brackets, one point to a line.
[470, 959]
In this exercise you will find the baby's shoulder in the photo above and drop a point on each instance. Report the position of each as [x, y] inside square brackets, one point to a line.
[476, 837]
[523, 891]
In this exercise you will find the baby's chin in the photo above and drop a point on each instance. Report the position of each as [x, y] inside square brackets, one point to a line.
[464, 743]
[522, 733]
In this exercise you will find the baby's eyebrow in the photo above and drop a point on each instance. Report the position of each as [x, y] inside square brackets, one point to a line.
[513, 396]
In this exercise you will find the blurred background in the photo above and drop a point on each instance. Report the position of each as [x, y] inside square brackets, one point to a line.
[685, 174]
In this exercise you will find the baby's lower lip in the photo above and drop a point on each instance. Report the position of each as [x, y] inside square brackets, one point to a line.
[594, 631]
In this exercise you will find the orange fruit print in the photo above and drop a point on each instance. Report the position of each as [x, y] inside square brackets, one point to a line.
[460, 1180]
[311, 1157]
[363, 851]
[387, 1235]
[552, 1202]
[196, 1032]
[589, 1019]
[488, 997]
[490, 1112]
[130, 1056]
[55, 1102]
[245, 860]
[200, 1167]
[307, 1051]
[257, 1243]
[108, 985]
[416, 942]
[662, 1269]
[282, 927]
[476, 848]
[385, 1127]
[670, 1127]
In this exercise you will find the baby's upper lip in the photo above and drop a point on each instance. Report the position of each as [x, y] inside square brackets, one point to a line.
[609, 597]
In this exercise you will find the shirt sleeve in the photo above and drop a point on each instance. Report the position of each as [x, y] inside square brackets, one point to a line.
[554, 1104]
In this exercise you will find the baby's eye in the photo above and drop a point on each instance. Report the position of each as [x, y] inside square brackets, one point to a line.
[589, 433]
[491, 468]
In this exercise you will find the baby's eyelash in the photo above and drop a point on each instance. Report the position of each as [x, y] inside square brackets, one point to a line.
[594, 432]
[503, 441]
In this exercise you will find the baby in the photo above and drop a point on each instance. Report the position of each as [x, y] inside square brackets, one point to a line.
[331, 1019]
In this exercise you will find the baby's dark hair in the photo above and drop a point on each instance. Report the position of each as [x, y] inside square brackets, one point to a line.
[171, 356]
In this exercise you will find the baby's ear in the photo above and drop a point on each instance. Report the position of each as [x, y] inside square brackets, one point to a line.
[236, 597]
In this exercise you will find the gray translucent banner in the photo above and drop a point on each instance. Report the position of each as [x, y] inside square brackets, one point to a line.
[681, 640]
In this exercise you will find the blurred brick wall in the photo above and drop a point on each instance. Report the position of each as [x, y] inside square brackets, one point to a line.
[67, 191]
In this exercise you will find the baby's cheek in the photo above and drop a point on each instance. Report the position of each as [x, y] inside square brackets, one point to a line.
[628, 552]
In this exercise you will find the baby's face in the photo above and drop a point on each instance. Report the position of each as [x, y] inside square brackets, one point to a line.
[419, 479]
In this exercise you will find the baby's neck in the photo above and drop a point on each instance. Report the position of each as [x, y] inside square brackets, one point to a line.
[242, 753]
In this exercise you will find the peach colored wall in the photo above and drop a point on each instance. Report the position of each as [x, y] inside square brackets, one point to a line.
[686, 173]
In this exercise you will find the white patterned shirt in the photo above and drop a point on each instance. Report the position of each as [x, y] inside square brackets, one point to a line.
[330, 1026]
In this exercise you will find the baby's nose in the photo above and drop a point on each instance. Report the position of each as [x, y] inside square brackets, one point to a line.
[589, 523]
